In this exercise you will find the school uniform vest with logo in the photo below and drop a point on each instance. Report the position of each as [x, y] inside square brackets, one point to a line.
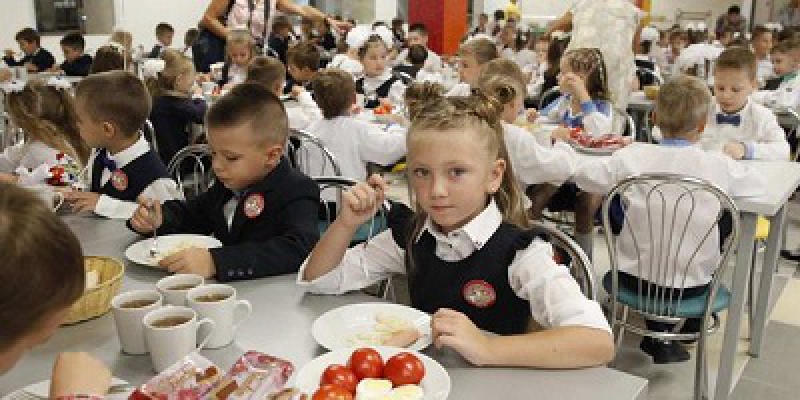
[128, 182]
[373, 101]
[476, 286]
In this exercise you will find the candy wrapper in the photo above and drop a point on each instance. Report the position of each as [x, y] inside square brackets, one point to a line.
[64, 171]
[188, 379]
[255, 376]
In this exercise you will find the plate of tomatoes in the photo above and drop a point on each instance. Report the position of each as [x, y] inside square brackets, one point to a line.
[600, 145]
[374, 373]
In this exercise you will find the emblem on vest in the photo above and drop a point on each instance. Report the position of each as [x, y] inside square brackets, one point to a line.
[479, 293]
[119, 180]
[253, 205]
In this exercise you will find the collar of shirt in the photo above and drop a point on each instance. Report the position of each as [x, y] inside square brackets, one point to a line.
[461, 243]
[378, 80]
[788, 77]
[131, 153]
[675, 142]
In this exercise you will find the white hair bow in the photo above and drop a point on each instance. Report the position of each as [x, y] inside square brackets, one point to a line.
[117, 46]
[559, 35]
[59, 83]
[151, 68]
[361, 33]
[12, 86]
[479, 36]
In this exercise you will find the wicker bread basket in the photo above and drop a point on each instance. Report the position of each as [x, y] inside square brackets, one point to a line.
[97, 301]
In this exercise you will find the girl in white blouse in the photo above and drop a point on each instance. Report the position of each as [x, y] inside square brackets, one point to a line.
[470, 259]
[45, 114]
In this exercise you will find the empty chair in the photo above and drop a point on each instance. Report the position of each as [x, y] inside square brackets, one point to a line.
[307, 153]
[191, 169]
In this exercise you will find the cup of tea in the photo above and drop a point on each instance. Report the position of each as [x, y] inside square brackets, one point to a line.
[128, 310]
[208, 87]
[175, 287]
[171, 333]
[218, 302]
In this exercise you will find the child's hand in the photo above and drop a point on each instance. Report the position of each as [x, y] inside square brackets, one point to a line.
[79, 373]
[573, 84]
[147, 217]
[190, 261]
[455, 330]
[5, 74]
[532, 114]
[362, 201]
[297, 90]
[734, 149]
[8, 178]
[82, 201]
[561, 133]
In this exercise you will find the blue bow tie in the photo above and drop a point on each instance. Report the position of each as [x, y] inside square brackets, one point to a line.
[730, 119]
[105, 161]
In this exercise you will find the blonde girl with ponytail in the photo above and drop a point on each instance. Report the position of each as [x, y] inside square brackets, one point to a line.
[471, 261]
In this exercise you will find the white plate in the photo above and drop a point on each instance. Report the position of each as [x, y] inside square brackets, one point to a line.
[41, 390]
[333, 329]
[139, 252]
[435, 383]
[597, 151]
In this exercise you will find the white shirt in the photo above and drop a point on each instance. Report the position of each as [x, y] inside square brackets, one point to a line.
[344, 62]
[236, 74]
[29, 155]
[354, 143]
[460, 89]
[764, 71]
[433, 62]
[787, 95]
[396, 92]
[303, 112]
[758, 131]
[554, 297]
[162, 189]
[595, 123]
[601, 174]
[534, 163]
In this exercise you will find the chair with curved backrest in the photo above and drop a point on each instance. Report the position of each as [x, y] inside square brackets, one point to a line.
[567, 252]
[669, 219]
[150, 134]
[625, 128]
[308, 154]
[649, 73]
[549, 96]
[191, 169]
[365, 232]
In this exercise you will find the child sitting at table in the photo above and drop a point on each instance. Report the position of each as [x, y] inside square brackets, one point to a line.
[585, 103]
[353, 142]
[471, 261]
[347, 55]
[473, 56]
[784, 90]
[170, 81]
[76, 62]
[302, 65]
[164, 34]
[240, 49]
[762, 47]
[262, 210]
[54, 280]
[736, 125]
[46, 115]
[270, 72]
[681, 109]
[379, 84]
[111, 108]
[36, 58]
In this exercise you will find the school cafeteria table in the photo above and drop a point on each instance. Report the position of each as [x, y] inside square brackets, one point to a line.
[280, 325]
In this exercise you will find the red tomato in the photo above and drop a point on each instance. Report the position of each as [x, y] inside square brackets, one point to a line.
[332, 392]
[366, 363]
[341, 376]
[404, 369]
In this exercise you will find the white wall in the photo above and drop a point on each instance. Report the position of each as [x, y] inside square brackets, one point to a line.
[138, 16]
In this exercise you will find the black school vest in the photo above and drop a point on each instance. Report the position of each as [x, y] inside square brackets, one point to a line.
[381, 92]
[140, 172]
[439, 284]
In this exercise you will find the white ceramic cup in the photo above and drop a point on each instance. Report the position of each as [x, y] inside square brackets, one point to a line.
[360, 100]
[128, 319]
[175, 287]
[171, 334]
[49, 195]
[218, 302]
[208, 87]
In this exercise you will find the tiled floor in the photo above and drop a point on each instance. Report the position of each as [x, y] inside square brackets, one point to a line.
[772, 376]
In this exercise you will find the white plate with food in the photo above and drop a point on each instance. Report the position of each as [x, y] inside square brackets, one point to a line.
[119, 390]
[139, 252]
[373, 324]
[433, 380]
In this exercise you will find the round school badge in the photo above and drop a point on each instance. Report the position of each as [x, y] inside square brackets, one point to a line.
[479, 293]
[253, 205]
[119, 180]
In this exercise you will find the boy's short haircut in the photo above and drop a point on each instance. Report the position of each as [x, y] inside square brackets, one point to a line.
[682, 105]
[266, 71]
[484, 50]
[419, 28]
[786, 46]
[303, 55]
[190, 37]
[505, 67]
[34, 284]
[417, 54]
[73, 40]
[678, 34]
[164, 28]
[255, 105]
[29, 35]
[281, 22]
[738, 58]
[117, 97]
[334, 90]
[760, 30]
[107, 58]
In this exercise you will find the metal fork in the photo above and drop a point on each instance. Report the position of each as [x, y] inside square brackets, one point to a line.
[154, 247]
